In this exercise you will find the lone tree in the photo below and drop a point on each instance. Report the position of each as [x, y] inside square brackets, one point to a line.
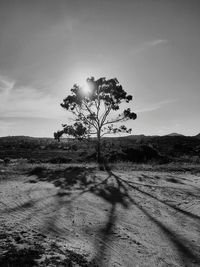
[93, 106]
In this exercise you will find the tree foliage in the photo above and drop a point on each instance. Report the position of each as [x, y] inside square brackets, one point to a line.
[93, 109]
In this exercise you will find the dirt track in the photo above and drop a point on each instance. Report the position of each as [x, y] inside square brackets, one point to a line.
[111, 218]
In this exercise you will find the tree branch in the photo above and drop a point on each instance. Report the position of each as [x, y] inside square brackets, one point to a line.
[90, 114]
[88, 121]
[105, 116]
[114, 121]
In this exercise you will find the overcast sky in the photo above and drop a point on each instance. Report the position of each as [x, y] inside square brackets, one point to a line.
[151, 46]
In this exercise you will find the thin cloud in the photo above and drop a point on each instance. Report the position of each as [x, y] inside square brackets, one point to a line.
[147, 45]
[6, 86]
[155, 106]
[157, 42]
[26, 101]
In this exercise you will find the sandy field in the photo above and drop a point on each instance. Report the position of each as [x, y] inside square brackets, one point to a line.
[77, 215]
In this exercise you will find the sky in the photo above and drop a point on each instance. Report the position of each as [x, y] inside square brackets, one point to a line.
[150, 46]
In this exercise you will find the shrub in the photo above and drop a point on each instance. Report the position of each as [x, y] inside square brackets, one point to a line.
[141, 154]
[37, 171]
[6, 161]
[60, 160]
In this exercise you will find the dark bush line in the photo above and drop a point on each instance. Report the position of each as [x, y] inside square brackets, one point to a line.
[56, 160]
[141, 154]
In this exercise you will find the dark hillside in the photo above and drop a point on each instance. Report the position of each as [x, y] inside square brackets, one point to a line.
[136, 148]
[197, 136]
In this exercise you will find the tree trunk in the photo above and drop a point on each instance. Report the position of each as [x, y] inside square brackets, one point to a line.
[98, 147]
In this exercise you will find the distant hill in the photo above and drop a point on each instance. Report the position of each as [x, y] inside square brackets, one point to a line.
[175, 134]
[197, 136]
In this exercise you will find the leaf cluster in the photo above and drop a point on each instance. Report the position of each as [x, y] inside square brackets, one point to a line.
[92, 110]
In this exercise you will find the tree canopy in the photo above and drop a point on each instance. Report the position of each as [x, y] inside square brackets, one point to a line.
[94, 107]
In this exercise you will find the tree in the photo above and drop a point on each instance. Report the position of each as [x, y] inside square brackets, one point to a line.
[93, 107]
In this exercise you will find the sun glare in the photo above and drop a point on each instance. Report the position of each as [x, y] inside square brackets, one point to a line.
[86, 88]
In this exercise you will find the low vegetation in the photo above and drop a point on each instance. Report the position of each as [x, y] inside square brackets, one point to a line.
[136, 149]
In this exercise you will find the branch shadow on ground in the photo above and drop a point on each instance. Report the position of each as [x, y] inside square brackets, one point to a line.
[80, 179]
[188, 252]
[68, 179]
[115, 191]
[186, 249]
[172, 206]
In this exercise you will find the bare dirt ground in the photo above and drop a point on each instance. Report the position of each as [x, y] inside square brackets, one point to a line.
[79, 216]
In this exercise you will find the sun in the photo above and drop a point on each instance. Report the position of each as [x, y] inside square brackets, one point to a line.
[86, 88]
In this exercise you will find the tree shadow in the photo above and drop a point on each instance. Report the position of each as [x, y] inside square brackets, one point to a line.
[24, 206]
[136, 186]
[187, 250]
[80, 179]
[60, 200]
[70, 178]
[115, 191]
[184, 212]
